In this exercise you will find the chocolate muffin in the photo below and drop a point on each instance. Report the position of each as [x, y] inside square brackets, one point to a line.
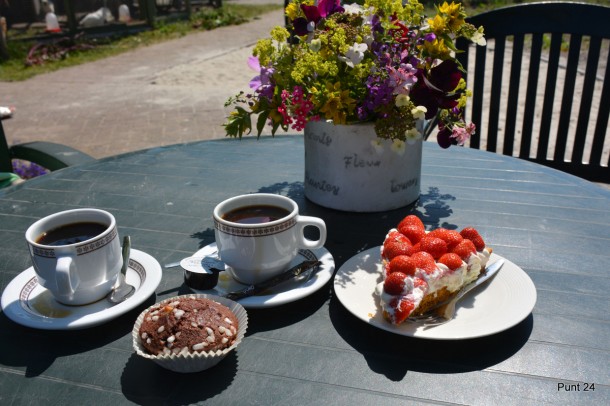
[187, 325]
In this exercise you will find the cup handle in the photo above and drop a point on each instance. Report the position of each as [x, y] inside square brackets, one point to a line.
[66, 277]
[304, 221]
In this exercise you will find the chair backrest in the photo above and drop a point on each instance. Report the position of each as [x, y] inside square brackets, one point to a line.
[5, 155]
[541, 104]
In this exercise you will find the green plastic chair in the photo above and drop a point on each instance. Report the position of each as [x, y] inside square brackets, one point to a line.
[554, 92]
[49, 155]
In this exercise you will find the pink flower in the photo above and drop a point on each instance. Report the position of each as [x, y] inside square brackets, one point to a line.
[296, 108]
[403, 78]
[462, 134]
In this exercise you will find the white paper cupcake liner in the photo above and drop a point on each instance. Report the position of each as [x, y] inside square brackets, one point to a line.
[195, 361]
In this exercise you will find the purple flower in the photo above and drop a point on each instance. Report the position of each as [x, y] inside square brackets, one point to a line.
[378, 96]
[328, 7]
[27, 170]
[262, 83]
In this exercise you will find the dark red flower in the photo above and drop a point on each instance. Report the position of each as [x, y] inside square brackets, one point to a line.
[444, 138]
[313, 15]
[436, 90]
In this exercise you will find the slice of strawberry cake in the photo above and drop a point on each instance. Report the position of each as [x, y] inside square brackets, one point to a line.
[424, 269]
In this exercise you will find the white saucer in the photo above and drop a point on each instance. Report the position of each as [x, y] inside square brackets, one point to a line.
[285, 292]
[26, 302]
[494, 307]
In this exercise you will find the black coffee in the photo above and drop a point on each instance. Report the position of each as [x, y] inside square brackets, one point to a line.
[256, 214]
[71, 233]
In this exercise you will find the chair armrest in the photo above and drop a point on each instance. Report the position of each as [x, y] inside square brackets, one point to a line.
[49, 155]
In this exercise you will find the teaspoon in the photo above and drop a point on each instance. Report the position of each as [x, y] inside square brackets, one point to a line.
[122, 290]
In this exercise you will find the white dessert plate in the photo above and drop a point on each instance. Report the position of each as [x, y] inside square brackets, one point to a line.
[26, 302]
[286, 292]
[493, 307]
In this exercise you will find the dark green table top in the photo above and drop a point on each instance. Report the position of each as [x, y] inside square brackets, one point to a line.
[554, 226]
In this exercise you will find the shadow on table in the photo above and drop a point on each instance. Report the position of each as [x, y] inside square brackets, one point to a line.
[394, 358]
[145, 383]
[205, 237]
[432, 205]
[349, 233]
[260, 320]
[38, 349]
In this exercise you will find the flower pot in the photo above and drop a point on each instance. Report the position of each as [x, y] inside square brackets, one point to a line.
[345, 171]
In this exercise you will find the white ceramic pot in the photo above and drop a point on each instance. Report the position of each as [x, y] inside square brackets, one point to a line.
[344, 171]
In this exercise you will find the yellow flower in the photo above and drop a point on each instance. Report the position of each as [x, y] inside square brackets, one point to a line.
[280, 34]
[292, 11]
[454, 13]
[438, 24]
[338, 102]
[452, 9]
[437, 49]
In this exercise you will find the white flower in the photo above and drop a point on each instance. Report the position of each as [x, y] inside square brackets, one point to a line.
[376, 143]
[398, 146]
[353, 8]
[479, 38]
[315, 45]
[412, 135]
[402, 100]
[354, 55]
[419, 112]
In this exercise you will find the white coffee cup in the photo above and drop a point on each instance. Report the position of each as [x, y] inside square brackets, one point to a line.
[255, 252]
[76, 272]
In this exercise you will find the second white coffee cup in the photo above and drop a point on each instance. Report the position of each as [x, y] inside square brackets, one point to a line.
[259, 234]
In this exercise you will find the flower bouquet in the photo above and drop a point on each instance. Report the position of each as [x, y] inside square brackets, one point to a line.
[381, 62]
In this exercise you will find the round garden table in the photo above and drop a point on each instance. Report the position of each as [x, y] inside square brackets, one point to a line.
[553, 227]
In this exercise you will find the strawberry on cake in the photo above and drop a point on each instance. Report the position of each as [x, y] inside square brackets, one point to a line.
[424, 269]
